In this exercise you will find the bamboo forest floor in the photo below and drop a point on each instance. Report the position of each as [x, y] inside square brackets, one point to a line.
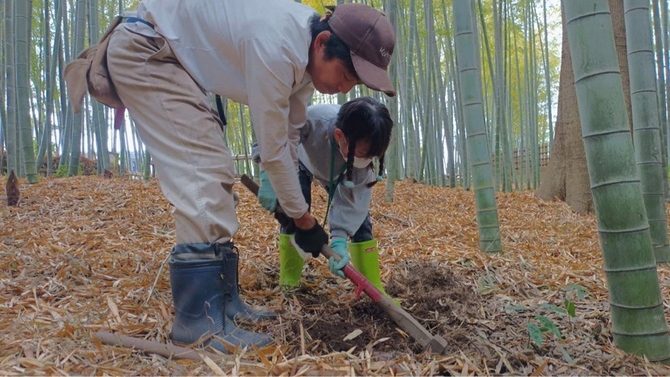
[84, 254]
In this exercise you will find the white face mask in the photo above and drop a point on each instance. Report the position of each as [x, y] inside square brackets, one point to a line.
[361, 163]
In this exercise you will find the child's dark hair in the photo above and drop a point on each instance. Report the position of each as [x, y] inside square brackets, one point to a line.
[335, 48]
[365, 118]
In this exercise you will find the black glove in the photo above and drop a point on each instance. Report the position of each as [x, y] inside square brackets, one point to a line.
[311, 240]
[287, 223]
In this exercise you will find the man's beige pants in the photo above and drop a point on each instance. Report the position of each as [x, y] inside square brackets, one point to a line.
[176, 122]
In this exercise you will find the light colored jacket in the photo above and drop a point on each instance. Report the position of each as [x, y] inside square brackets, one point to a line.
[253, 52]
[350, 206]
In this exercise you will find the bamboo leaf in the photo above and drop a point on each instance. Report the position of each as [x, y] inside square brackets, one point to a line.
[515, 308]
[353, 335]
[570, 307]
[535, 334]
[580, 290]
[566, 356]
[553, 308]
[549, 325]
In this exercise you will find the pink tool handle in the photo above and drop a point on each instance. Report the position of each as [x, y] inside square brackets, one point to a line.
[356, 277]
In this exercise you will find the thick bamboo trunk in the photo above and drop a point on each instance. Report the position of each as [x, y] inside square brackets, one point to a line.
[646, 118]
[638, 321]
[473, 116]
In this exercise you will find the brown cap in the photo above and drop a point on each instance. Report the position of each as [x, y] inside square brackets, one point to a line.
[370, 37]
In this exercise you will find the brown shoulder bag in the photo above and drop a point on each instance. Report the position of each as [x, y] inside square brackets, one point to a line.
[88, 72]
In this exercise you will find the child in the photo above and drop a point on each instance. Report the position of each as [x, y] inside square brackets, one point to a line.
[336, 148]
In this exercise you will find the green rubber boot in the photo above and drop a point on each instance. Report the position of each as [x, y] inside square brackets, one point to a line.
[365, 258]
[290, 263]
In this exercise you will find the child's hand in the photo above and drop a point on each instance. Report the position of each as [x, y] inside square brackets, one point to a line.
[339, 246]
[266, 194]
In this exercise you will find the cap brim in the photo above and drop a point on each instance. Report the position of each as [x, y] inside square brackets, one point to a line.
[373, 77]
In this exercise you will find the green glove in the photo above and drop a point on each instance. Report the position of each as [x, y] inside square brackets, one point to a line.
[266, 194]
[339, 245]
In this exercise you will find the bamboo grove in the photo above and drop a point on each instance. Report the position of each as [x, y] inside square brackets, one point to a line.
[520, 55]
[519, 70]
[477, 85]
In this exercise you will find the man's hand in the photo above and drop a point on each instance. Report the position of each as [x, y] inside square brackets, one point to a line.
[339, 245]
[266, 194]
[311, 240]
[289, 225]
[305, 221]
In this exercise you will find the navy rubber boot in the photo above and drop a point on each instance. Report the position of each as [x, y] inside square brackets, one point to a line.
[235, 308]
[198, 290]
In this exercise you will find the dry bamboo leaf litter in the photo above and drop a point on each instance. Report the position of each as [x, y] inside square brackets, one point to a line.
[84, 254]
